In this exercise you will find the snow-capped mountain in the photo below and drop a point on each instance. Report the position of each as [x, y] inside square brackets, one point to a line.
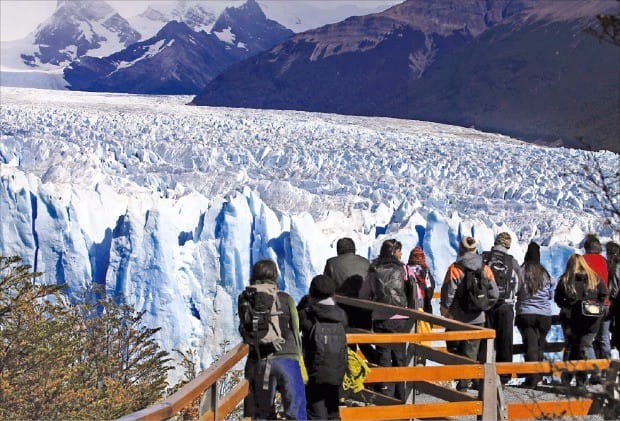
[179, 60]
[77, 28]
[520, 67]
[198, 15]
[170, 205]
[248, 28]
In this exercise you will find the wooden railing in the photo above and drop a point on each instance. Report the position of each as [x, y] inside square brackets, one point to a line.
[433, 379]
[213, 407]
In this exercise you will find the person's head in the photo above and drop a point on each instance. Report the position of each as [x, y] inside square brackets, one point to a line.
[503, 239]
[576, 264]
[390, 248]
[592, 245]
[613, 251]
[322, 287]
[345, 245]
[264, 271]
[534, 273]
[532, 255]
[468, 245]
[417, 257]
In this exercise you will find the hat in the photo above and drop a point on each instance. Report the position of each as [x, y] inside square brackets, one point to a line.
[468, 244]
[321, 287]
[417, 257]
[532, 255]
[503, 239]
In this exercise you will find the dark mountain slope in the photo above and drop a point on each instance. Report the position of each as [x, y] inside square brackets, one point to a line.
[175, 61]
[517, 67]
[538, 81]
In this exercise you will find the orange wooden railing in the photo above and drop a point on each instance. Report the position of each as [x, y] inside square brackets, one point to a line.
[205, 386]
[433, 379]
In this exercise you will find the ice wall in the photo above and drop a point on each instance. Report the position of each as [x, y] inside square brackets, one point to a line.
[185, 260]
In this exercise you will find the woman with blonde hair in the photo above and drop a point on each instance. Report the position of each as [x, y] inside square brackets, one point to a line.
[580, 294]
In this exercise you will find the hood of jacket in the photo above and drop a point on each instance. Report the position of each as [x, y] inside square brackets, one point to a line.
[328, 313]
[471, 261]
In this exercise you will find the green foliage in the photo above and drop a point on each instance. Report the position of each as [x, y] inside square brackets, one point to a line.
[93, 360]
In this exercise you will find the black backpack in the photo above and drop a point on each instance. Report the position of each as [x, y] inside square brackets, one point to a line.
[389, 285]
[259, 318]
[472, 294]
[501, 265]
[326, 352]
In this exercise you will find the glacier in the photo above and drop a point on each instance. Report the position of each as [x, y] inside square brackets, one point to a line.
[168, 205]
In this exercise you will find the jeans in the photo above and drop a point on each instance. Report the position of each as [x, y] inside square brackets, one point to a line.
[285, 377]
[602, 341]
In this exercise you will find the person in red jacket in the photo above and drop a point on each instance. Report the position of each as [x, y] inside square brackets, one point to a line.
[594, 258]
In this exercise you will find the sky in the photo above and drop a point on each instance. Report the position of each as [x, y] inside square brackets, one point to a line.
[20, 17]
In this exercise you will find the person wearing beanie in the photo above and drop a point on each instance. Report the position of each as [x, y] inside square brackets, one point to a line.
[467, 259]
[422, 292]
[508, 276]
[319, 306]
[421, 286]
[533, 308]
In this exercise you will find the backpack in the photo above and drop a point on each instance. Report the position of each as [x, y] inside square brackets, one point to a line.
[389, 285]
[326, 352]
[501, 265]
[259, 321]
[472, 293]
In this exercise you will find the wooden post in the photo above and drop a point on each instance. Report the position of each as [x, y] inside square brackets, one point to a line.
[487, 391]
[208, 402]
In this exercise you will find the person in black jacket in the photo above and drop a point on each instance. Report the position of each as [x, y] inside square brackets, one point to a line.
[386, 283]
[347, 269]
[577, 284]
[613, 271]
[325, 377]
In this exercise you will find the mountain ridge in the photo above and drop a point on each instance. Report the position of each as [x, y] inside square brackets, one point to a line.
[405, 71]
[179, 60]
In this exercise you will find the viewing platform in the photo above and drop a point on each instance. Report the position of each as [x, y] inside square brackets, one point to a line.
[430, 391]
